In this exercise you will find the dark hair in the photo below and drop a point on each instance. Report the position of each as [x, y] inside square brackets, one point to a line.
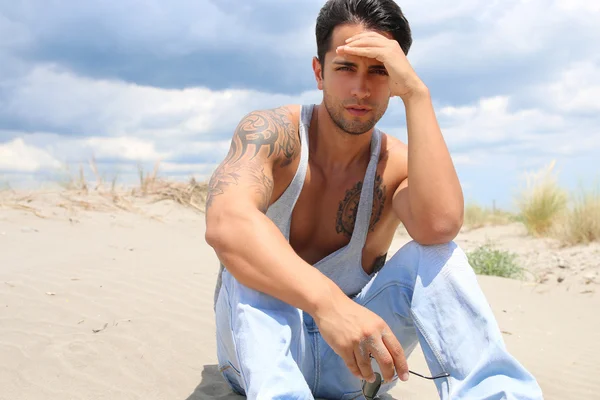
[381, 15]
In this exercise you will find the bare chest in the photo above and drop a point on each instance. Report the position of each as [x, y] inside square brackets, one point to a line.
[325, 217]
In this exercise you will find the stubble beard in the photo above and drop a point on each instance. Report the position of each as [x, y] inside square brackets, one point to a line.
[352, 127]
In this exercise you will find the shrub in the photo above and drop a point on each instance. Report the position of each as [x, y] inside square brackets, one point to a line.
[487, 260]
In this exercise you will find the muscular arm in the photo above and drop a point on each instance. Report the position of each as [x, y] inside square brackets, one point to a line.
[430, 201]
[255, 252]
[246, 241]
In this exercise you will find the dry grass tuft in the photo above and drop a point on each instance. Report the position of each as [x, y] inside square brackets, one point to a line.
[79, 193]
[550, 211]
[542, 203]
[191, 194]
[478, 217]
[148, 180]
[22, 207]
[581, 223]
[10, 199]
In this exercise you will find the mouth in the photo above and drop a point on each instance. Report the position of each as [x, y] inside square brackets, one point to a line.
[358, 110]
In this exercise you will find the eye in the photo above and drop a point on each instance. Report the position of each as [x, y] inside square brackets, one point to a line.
[343, 69]
[380, 72]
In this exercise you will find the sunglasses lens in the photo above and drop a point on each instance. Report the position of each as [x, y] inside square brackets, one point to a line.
[370, 389]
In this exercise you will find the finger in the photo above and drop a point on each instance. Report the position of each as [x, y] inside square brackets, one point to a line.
[364, 364]
[397, 353]
[367, 41]
[352, 365]
[385, 361]
[359, 51]
[364, 34]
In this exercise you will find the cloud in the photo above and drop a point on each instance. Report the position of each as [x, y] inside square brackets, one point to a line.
[464, 50]
[178, 45]
[469, 49]
[75, 118]
[514, 83]
[16, 156]
[577, 91]
[51, 99]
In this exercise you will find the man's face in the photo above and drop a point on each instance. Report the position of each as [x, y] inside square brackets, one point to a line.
[350, 83]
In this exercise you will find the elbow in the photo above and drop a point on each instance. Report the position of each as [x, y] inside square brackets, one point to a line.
[213, 236]
[443, 230]
[218, 230]
[227, 226]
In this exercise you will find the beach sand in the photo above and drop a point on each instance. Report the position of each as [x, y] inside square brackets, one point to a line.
[107, 303]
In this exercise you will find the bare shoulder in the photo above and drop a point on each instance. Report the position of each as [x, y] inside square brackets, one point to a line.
[263, 140]
[274, 129]
[393, 159]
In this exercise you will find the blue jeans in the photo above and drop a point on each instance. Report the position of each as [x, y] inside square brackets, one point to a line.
[268, 349]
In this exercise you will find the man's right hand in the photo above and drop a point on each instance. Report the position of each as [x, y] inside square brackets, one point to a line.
[355, 333]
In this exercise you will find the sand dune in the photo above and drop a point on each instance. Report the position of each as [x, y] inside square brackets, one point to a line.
[118, 305]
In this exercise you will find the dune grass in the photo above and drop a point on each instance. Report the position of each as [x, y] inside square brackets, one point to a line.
[544, 208]
[488, 260]
[97, 194]
[477, 216]
[542, 202]
[548, 210]
[581, 223]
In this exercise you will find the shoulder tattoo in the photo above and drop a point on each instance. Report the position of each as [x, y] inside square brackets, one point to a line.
[269, 129]
[272, 129]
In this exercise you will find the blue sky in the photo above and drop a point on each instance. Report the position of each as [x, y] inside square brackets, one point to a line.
[515, 83]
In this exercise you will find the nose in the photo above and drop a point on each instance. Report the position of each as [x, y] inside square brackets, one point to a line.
[360, 88]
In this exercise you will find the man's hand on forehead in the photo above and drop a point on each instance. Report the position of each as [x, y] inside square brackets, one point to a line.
[403, 79]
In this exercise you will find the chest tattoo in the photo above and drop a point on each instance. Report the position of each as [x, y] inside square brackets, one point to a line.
[379, 263]
[348, 207]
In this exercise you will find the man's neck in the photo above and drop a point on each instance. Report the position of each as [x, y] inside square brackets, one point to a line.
[334, 149]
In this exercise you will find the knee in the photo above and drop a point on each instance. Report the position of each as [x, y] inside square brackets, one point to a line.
[442, 251]
[430, 258]
[414, 250]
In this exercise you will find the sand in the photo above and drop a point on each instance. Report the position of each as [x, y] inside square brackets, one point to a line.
[108, 303]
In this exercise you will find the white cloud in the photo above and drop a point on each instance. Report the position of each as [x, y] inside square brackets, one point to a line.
[491, 121]
[491, 127]
[578, 89]
[123, 148]
[472, 33]
[554, 114]
[16, 156]
[60, 100]
[136, 123]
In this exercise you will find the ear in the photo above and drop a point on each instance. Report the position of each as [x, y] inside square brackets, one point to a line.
[318, 71]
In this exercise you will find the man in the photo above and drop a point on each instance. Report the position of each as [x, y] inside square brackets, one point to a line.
[301, 214]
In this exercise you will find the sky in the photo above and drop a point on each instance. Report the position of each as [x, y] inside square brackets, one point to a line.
[515, 85]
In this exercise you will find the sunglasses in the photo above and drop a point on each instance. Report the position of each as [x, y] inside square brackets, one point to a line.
[370, 389]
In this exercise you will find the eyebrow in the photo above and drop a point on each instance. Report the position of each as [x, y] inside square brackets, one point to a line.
[351, 64]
